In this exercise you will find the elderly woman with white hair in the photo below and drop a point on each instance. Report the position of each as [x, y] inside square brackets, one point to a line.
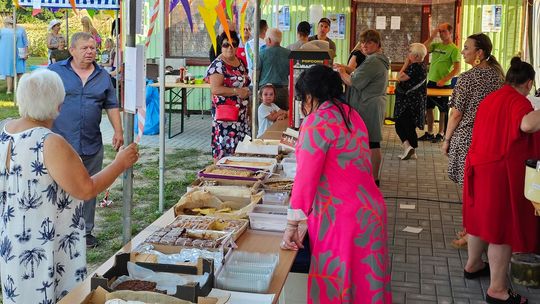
[411, 96]
[42, 187]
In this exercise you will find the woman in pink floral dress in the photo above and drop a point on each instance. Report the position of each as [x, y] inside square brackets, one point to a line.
[335, 192]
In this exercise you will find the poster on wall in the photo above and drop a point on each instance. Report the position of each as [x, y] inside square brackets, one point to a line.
[337, 28]
[284, 19]
[491, 18]
[380, 23]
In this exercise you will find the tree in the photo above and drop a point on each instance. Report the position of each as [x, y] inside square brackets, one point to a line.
[32, 256]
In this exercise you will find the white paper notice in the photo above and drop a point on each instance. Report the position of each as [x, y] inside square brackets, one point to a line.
[407, 206]
[380, 23]
[395, 22]
[134, 92]
[413, 229]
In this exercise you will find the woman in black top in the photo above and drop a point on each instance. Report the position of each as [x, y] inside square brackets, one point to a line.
[356, 57]
[411, 99]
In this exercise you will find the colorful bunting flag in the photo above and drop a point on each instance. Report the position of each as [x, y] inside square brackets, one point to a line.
[209, 16]
[187, 8]
[243, 20]
[223, 19]
[172, 5]
[229, 4]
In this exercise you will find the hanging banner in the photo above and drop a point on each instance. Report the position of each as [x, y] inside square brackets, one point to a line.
[79, 4]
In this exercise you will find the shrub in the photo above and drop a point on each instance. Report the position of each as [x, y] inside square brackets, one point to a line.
[37, 31]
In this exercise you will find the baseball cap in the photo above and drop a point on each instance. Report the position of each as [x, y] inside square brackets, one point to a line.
[53, 23]
[325, 20]
[304, 27]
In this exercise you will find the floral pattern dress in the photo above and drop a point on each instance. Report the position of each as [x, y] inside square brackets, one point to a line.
[227, 135]
[347, 221]
[42, 245]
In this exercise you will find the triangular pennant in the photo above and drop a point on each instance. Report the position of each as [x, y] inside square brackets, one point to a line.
[187, 9]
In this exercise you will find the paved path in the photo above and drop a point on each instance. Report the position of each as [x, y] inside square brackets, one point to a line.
[425, 268]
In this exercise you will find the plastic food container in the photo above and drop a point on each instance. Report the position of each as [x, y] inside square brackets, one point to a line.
[268, 217]
[280, 198]
[289, 167]
[247, 271]
[525, 269]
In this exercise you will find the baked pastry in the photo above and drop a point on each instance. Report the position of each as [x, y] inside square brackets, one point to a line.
[137, 285]
[245, 163]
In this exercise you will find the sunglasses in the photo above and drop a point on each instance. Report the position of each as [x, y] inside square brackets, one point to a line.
[227, 45]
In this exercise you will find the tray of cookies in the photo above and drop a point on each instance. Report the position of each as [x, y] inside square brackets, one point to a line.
[182, 237]
[227, 173]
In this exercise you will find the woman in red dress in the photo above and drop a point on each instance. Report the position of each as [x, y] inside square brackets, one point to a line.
[496, 213]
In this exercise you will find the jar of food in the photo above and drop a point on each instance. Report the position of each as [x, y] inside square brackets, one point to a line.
[525, 269]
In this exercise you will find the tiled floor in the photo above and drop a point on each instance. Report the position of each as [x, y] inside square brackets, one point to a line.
[425, 268]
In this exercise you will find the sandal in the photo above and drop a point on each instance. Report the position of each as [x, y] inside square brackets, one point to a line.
[484, 272]
[460, 243]
[513, 298]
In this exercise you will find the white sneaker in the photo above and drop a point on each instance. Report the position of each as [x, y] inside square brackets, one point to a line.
[409, 152]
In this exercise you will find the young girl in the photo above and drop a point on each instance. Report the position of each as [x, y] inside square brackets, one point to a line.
[268, 111]
[411, 99]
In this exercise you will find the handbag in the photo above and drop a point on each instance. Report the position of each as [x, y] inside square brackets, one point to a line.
[226, 112]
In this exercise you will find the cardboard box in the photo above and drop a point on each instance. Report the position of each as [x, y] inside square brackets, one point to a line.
[189, 292]
[100, 296]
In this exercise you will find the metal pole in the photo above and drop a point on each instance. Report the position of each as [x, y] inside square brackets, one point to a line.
[117, 52]
[127, 177]
[255, 80]
[162, 105]
[67, 28]
[15, 56]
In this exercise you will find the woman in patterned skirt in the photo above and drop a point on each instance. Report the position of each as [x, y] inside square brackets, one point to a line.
[346, 220]
[471, 88]
[229, 82]
[43, 183]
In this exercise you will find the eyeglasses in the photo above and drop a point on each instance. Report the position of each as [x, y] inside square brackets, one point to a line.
[227, 45]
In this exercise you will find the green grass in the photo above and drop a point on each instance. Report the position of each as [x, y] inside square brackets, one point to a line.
[181, 168]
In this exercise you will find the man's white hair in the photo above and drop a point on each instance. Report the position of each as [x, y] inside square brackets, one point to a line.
[274, 34]
[39, 94]
[419, 50]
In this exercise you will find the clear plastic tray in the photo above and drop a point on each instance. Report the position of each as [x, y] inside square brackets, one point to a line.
[248, 271]
[248, 282]
[276, 198]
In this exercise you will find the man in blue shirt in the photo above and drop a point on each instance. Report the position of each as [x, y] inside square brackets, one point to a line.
[89, 90]
[274, 67]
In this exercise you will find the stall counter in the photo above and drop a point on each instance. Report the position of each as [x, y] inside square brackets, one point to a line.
[251, 240]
